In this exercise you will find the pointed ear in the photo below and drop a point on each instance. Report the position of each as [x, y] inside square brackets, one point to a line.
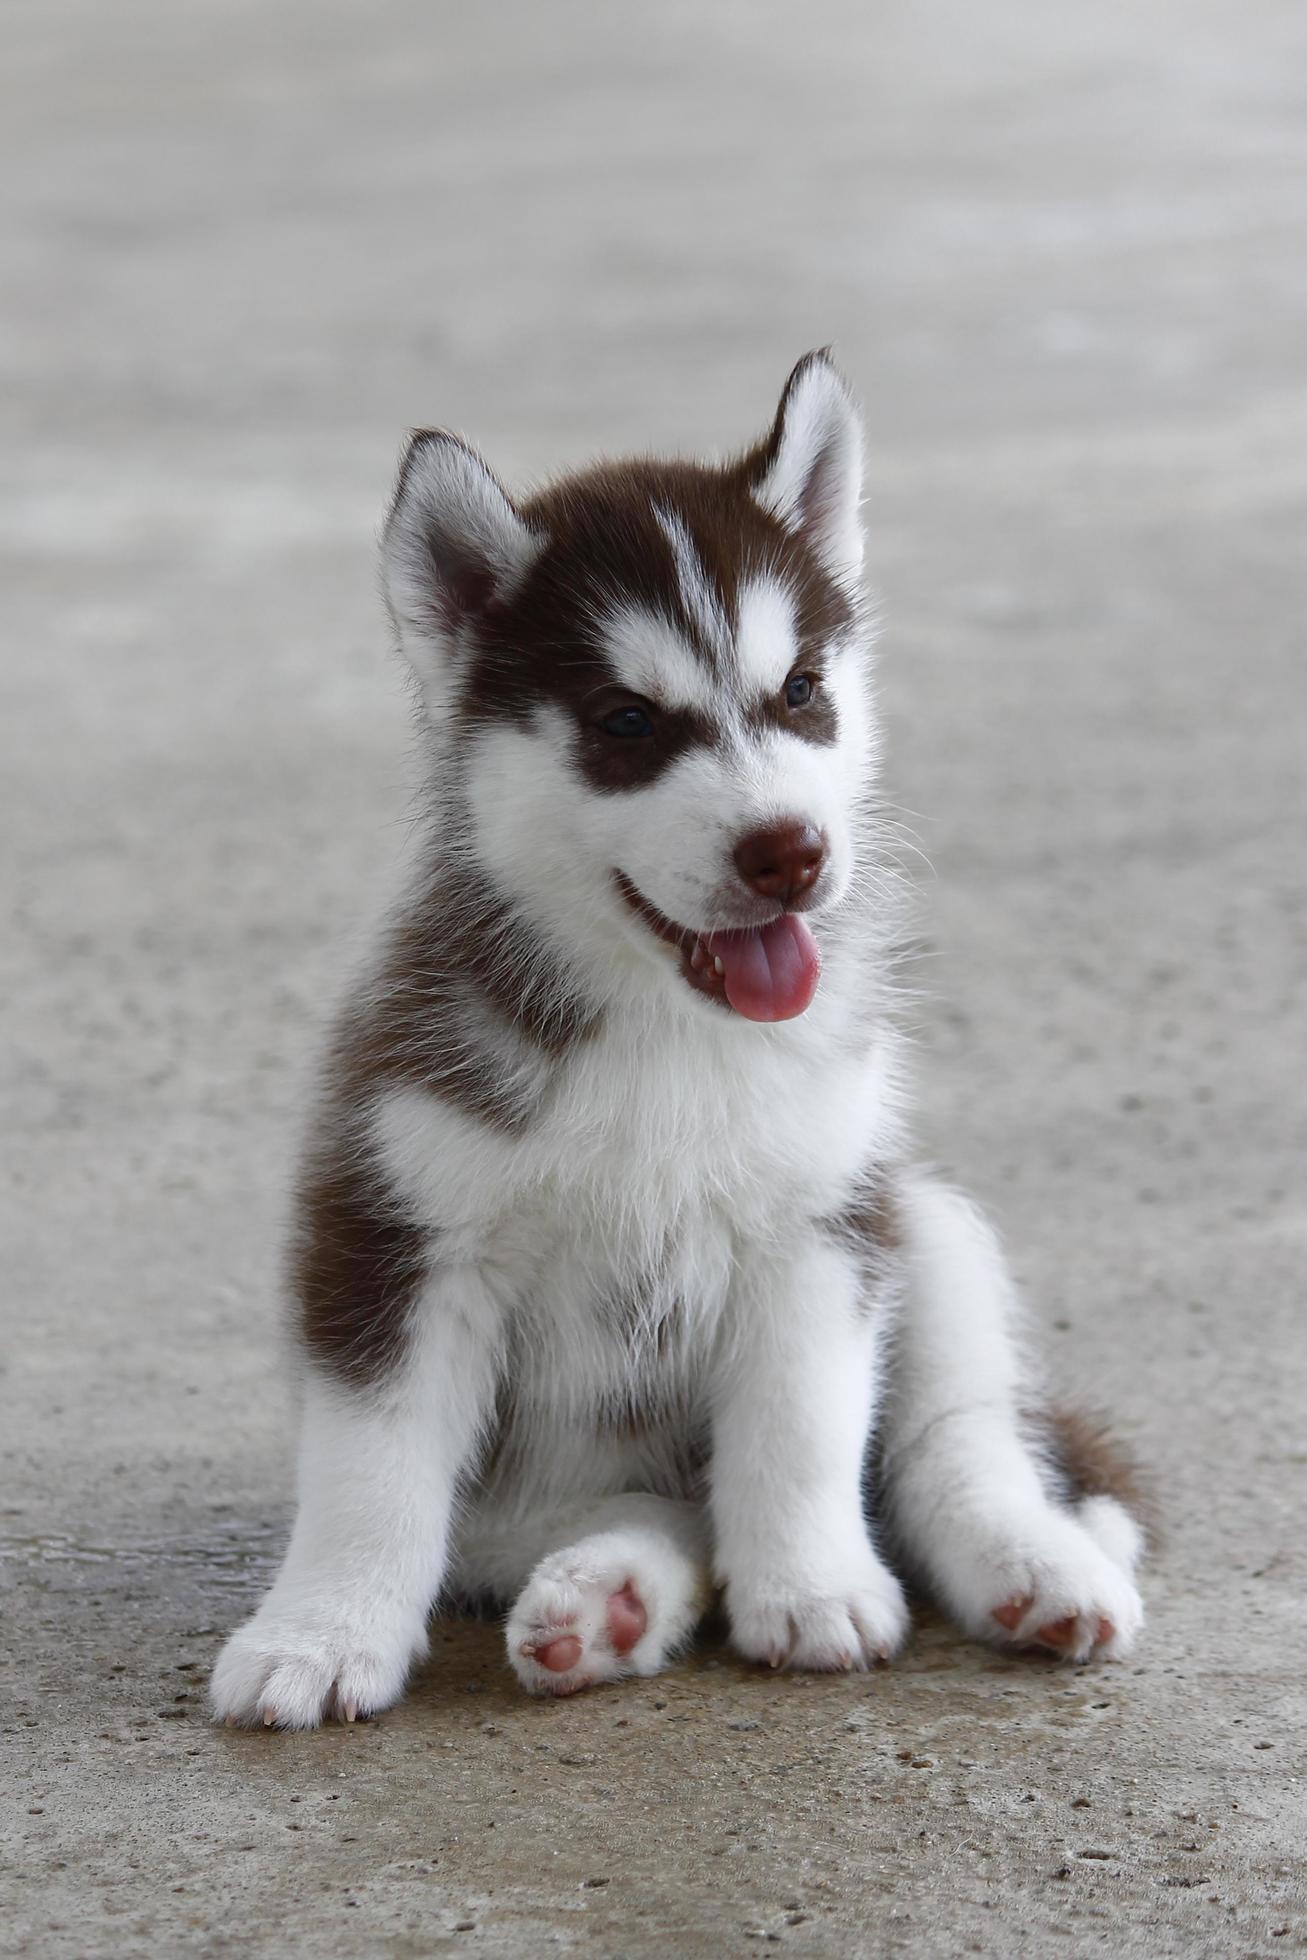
[454, 545]
[808, 472]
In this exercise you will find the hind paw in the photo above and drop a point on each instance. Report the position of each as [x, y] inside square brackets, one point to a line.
[574, 1626]
[1056, 1589]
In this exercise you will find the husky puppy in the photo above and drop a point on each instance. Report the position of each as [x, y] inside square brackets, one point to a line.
[617, 1289]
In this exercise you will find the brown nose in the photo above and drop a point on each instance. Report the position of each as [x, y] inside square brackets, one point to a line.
[782, 861]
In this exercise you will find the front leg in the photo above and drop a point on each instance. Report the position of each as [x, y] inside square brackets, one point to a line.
[793, 1408]
[378, 1470]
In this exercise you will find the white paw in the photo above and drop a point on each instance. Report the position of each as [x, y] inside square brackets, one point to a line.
[1050, 1584]
[297, 1664]
[594, 1613]
[833, 1624]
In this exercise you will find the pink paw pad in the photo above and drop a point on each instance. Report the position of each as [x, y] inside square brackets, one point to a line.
[559, 1654]
[1011, 1615]
[627, 1619]
[560, 1649]
[1057, 1633]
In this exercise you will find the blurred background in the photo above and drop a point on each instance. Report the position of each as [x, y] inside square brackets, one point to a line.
[1060, 253]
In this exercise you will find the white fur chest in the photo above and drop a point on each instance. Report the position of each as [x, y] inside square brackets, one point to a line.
[663, 1143]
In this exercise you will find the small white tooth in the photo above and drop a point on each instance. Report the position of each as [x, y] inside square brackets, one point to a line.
[718, 966]
[698, 958]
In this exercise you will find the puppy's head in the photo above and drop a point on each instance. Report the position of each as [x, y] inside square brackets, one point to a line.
[647, 686]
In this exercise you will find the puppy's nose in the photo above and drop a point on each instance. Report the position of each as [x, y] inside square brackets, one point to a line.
[782, 861]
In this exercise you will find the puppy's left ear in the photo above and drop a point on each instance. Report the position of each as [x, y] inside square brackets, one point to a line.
[808, 471]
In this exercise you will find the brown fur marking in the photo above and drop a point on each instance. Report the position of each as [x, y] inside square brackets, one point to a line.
[357, 1264]
[604, 546]
[1091, 1463]
[869, 1226]
[456, 963]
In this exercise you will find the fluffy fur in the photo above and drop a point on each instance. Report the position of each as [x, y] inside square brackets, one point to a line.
[616, 1286]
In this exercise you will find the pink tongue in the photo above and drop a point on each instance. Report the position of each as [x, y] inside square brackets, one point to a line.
[771, 972]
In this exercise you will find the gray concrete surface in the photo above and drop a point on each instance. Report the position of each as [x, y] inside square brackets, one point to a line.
[1061, 252]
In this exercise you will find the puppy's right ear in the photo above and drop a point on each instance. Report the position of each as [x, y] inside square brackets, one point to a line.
[454, 546]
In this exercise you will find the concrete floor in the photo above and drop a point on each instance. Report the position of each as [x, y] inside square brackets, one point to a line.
[1061, 253]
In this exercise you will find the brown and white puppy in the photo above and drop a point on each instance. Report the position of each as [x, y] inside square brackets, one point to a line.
[607, 1208]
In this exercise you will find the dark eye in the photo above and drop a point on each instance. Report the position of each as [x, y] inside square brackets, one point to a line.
[629, 724]
[799, 691]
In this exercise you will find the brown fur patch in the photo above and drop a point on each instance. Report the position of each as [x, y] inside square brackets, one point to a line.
[870, 1219]
[457, 966]
[605, 547]
[817, 721]
[357, 1264]
[1089, 1462]
[868, 1225]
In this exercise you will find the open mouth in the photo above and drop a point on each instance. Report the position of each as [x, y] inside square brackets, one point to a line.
[765, 973]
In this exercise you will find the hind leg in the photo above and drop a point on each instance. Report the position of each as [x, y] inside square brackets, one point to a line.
[621, 1596]
[964, 1487]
